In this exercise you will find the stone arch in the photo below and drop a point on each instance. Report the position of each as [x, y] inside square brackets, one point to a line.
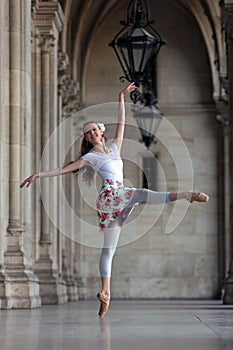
[110, 13]
[193, 109]
[206, 14]
[208, 19]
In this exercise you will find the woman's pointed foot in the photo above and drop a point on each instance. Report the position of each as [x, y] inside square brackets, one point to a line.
[198, 197]
[104, 303]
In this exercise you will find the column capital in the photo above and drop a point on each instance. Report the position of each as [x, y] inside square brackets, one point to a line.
[44, 41]
[47, 16]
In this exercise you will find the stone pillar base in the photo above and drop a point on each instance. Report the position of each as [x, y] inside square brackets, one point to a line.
[52, 290]
[19, 291]
[80, 288]
[228, 291]
[72, 290]
[19, 287]
[52, 286]
[3, 297]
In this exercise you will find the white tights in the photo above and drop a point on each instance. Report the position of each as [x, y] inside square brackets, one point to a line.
[112, 233]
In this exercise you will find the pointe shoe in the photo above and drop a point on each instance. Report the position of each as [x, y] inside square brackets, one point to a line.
[199, 197]
[104, 303]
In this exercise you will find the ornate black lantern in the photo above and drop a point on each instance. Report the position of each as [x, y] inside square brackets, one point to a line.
[135, 46]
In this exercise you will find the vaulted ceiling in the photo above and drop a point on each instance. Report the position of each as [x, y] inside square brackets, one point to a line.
[83, 17]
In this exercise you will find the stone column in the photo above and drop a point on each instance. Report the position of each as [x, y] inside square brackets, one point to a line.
[4, 138]
[21, 288]
[63, 62]
[228, 25]
[47, 22]
[76, 202]
[69, 103]
[223, 187]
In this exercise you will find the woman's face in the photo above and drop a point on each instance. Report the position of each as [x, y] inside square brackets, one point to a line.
[92, 133]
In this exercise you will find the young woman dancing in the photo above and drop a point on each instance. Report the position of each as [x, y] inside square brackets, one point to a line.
[115, 202]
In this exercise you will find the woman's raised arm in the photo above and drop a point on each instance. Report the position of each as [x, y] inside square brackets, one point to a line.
[69, 168]
[118, 138]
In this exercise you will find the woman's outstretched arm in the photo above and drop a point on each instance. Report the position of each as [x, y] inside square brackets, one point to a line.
[69, 168]
[118, 138]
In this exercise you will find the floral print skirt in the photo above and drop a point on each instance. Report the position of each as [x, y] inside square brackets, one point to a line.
[112, 199]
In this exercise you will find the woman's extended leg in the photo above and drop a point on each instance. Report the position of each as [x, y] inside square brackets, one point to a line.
[142, 195]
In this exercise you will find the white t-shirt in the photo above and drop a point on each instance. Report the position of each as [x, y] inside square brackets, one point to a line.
[109, 165]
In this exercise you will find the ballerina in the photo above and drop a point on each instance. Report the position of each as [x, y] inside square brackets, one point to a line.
[115, 201]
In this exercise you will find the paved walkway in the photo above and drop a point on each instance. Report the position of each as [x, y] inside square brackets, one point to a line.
[129, 325]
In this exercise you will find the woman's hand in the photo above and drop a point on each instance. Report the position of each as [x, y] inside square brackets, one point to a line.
[128, 89]
[29, 180]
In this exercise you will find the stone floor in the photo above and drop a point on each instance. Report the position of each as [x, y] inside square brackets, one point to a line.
[129, 325]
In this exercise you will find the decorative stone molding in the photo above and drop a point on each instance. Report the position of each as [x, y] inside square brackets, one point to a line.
[15, 228]
[63, 61]
[67, 87]
[45, 41]
[71, 99]
[47, 14]
[47, 21]
[63, 76]
[187, 109]
[63, 84]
